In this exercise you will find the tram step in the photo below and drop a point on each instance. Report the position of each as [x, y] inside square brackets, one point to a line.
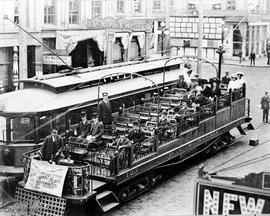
[109, 206]
[107, 200]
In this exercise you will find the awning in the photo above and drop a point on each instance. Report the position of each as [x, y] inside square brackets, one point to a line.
[68, 40]
[140, 36]
[124, 38]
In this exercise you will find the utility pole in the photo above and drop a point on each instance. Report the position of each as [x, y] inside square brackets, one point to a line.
[22, 5]
[200, 35]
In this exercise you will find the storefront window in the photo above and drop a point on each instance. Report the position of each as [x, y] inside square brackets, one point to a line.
[96, 9]
[49, 12]
[45, 126]
[22, 129]
[73, 12]
[3, 128]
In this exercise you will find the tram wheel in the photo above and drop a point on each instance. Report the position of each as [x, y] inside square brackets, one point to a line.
[123, 194]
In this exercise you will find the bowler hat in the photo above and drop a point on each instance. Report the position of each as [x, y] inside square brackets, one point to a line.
[105, 93]
[83, 113]
[94, 115]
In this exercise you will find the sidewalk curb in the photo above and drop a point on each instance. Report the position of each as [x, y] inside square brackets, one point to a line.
[242, 65]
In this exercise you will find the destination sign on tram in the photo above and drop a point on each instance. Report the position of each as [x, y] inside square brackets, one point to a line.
[212, 200]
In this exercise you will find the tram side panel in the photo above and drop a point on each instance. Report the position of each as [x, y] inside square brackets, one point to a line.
[189, 142]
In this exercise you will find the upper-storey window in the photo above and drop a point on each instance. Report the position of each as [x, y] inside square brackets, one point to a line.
[120, 6]
[156, 5]
[16, 12]
[3, 128]
[96, 9]
[231, 4]
[49, 12]
[137, 6]
[73, 12]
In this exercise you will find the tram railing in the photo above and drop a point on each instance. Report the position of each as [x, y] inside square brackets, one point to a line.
[223, 101]
[207, 111]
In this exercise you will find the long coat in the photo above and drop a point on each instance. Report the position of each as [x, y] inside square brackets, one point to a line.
[105, 112]
[137, 136]
[50, 148]
[83, 129]
[265, 102]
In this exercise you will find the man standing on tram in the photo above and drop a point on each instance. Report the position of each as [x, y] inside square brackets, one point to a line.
[52, 146]
[105, 110]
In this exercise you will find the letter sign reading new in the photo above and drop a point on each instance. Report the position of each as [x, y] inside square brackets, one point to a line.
[213, 200]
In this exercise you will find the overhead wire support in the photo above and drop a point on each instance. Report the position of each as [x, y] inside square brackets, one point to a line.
[43, 44]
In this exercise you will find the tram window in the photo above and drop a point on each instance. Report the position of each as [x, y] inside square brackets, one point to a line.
[45, 126]
[22, 128]
[115, 104]
[60, 122]
[266, 182]
[3, 128]
[128, 101]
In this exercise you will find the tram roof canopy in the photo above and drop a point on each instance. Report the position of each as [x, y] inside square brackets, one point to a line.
[33, 100]
[61, 83]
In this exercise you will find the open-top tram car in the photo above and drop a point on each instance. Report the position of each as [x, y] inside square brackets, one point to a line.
[56, 100]
[110, 176]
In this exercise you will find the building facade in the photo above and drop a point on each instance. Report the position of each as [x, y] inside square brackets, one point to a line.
[82, 33]
[239, 25]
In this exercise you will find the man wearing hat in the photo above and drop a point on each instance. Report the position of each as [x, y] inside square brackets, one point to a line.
[136, 135]
[96, 130]
[83, 127]
[226, 79]
[121, 142]
[181, 84]
[265, 106]
[105, 110]
[52, 146]
[163, 125]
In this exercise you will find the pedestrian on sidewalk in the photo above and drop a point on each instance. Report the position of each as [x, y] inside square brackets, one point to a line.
[265, 106]
[252, 57]
[240, 56]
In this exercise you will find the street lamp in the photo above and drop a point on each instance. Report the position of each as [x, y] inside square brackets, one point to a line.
[164, 31]
[220, 51]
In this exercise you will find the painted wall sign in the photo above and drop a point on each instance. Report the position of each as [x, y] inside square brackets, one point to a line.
[53, 60]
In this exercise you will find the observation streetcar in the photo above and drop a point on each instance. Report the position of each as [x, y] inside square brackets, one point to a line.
[56, 100]
[107, 176]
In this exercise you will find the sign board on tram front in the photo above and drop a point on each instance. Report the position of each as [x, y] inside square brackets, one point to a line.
[54, 60]
[214, 199]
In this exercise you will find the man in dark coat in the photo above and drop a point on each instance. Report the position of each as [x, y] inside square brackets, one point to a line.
[265, 106]
[96, 130]
[52, 146]
[136, 135]
[181, 84]
[226, 79]
[105, 110]
[83, 127]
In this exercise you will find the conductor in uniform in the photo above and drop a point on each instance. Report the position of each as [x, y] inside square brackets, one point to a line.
[265, 106]
[52, 146]
[105, 110]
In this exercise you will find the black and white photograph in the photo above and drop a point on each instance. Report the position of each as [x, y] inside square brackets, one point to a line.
[134, 107]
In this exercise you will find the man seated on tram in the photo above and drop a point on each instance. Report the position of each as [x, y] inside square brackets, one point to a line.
[226, 79]
[182, 109]
[181, 83]
[52, 146]
[163, 125]
[199, 100]
[121, 142]
[95, 132]
[83, 127]
[136, 135]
